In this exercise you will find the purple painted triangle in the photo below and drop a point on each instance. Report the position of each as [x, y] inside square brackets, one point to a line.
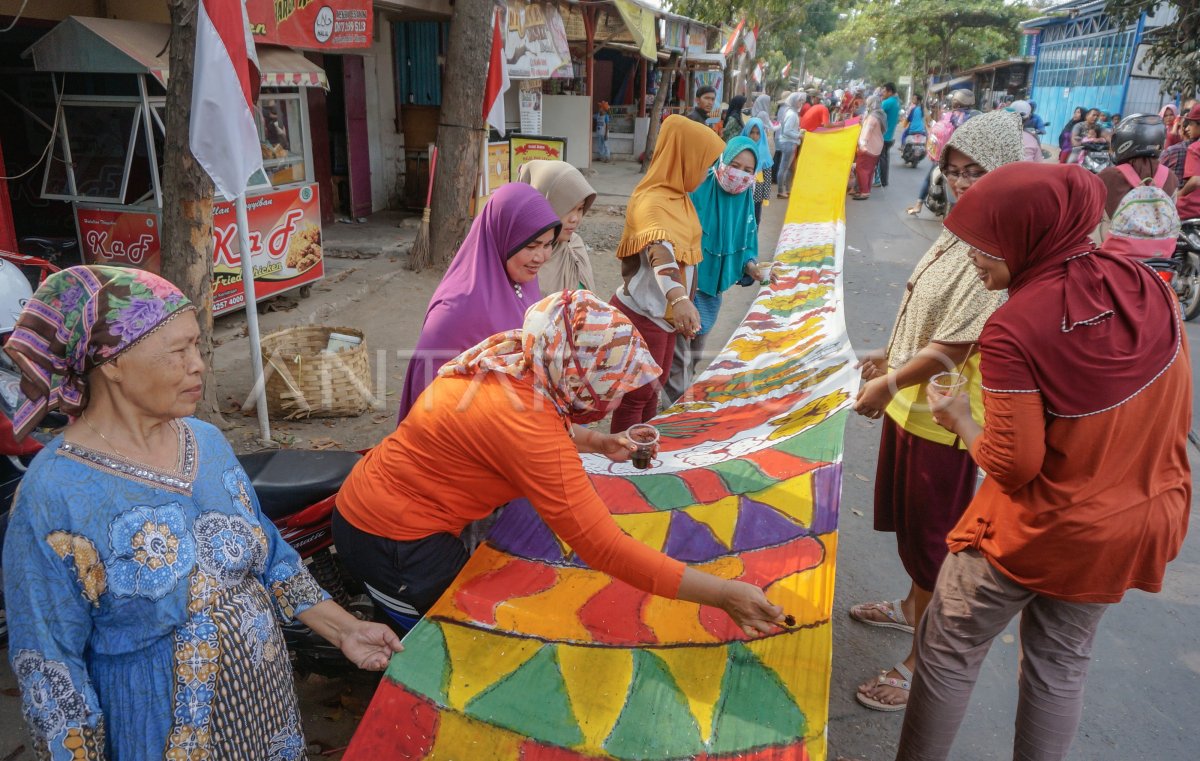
[827, 496]
[521, 531]
[691, 541]
[760, 526]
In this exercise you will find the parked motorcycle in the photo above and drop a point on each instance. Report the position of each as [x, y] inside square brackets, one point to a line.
[1095, 157]
[1182, 270]
[938, 198]
[296, 490]
[914, 148]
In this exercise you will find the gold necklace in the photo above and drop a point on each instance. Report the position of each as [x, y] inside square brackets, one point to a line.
[111, 445]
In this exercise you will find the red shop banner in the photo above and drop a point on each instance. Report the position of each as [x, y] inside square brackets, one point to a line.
[285, 245]
[115, 236]
[312, 24]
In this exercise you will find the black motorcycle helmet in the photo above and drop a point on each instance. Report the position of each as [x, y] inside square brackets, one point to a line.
[1138, 135]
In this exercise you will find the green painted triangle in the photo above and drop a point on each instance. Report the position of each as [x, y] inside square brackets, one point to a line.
[820, 443]
[665, 491]
[755, 708]
[742, 476]
[422, 665]
[531, 701]
[656, 722]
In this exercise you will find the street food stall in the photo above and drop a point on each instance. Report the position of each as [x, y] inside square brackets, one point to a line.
[110, 127]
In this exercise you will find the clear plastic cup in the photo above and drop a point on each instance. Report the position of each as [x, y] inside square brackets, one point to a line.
[645, 438]
[764, 272]
[948, 384]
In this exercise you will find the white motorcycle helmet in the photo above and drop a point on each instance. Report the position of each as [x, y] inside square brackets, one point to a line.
[14, 294]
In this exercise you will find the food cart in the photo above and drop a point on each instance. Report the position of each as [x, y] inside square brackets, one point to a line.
[110, 125]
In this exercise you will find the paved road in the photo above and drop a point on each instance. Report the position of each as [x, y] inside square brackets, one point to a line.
[1142, 693]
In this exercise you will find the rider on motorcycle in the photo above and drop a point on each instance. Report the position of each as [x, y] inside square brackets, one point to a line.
[1139, 217]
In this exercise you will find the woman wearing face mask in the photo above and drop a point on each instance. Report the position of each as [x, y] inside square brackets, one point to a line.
[569, 266]
[489, 285]
[756, 130]
[659, 251]
[926, 477]
[505, 425]
[725, 207]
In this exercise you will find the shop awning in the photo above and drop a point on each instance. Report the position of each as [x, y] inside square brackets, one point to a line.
[81, 44]
[705, 60]
[938, 87]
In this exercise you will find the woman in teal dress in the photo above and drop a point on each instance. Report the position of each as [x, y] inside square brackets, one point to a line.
[143, 583]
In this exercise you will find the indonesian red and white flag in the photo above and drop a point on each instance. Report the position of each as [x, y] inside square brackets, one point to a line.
[497, 79]
[751, 42]
[224, 137]
[786, 69]
[733, 39]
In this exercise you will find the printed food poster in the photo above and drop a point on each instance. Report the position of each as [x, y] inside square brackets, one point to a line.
[497, 167]
[112, 235]
[285, 240]
[526, 148]
[285, 245]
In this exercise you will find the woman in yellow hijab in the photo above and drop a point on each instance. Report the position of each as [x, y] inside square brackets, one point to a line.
[659, 250]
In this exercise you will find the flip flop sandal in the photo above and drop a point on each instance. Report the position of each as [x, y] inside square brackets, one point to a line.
[893, 611]
[884, 680]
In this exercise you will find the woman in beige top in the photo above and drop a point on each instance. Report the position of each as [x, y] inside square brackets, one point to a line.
[925, 476]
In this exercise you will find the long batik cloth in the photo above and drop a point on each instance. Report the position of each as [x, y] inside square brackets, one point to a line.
[532, 655]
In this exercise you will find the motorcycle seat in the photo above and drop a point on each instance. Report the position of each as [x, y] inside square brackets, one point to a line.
[289, 480]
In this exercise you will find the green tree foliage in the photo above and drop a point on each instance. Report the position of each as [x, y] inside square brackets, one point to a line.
[1174, 52]
[924, 37]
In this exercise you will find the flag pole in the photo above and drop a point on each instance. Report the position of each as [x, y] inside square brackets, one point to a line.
[251, 305]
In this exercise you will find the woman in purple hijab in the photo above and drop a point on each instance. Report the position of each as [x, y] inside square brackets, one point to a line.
[489, 285]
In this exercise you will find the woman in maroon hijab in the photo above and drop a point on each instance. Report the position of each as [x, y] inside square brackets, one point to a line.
[1087, 397]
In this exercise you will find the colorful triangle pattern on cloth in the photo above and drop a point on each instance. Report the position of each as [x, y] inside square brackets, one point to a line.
[530, 654]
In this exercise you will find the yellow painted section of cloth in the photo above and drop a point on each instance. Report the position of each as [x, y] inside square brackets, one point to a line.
[597, 681]
[648, 528]
[720, 516]
[470, 650]
[555, 609]
[460, 737]
[793, 498]
[698, 672]
[910, 410]
[819, 194]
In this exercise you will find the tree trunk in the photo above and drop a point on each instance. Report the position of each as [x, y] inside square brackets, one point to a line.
[660, 101]
[187, 241]
[460, 131]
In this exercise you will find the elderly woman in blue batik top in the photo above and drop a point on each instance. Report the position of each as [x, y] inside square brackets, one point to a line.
[143, 583]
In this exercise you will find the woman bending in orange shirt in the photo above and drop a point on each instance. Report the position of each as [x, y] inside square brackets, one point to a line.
[504, 426]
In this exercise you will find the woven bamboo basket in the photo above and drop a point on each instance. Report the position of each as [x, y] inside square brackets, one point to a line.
[304, 382]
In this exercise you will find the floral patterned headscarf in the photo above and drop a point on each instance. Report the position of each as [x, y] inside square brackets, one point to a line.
[79, 319]
[581, 353]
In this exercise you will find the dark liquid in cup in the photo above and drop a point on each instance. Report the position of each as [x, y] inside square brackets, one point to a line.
[645, 440]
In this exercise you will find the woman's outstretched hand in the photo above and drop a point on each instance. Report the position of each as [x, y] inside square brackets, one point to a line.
[750, 609]
[370, 645]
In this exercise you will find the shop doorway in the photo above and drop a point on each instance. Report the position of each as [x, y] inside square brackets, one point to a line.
[346, 125]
